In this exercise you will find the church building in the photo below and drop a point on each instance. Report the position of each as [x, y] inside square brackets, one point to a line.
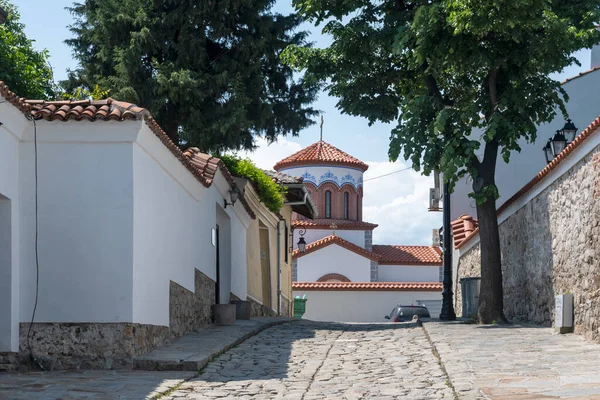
[340, 263]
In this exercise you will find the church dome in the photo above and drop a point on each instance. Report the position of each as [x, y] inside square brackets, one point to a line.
[320, 153]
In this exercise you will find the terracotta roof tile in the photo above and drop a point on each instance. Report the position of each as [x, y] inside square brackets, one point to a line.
[320, 153]
[408, 255]
[463, 228]
[579, 75]
[592, 128]
[325, 223]
[283, 179]
[369, 286]
[208, 166]
[329, 240]
[104, 110]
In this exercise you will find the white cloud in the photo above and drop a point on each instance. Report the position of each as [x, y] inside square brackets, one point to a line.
[397, 203]
[267, 155]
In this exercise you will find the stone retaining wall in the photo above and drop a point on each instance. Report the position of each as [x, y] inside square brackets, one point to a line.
[58, 346]
[259, 310]
[551, 246]
[190, 311]
[286, 307]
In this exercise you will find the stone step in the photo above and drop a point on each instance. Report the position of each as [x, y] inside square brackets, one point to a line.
[193, 351]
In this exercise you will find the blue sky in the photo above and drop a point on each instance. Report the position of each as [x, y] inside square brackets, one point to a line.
[398, 203]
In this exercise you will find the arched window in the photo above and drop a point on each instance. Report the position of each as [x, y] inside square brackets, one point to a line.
[328, 204]
[358, 207]
[346, 200]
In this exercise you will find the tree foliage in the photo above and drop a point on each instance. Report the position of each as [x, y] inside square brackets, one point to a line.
[25, 70]
[270, 193]
[209, 71]
[463, 81]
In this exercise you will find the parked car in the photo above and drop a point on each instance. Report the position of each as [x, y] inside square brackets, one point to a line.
[402, 313]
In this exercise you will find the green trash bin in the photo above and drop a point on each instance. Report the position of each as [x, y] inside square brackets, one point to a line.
[299, 307]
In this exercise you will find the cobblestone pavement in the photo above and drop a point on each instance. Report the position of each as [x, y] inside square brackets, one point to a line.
[309, 360]
[515, 362]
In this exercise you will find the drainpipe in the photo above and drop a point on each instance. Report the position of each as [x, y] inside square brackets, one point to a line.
[279, 267]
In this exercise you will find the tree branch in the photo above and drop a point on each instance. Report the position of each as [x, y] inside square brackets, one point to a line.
[434, 89]
[493, 89]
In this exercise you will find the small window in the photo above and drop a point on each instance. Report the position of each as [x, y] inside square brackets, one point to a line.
[328, 204]
[357, 207]
[346, 199]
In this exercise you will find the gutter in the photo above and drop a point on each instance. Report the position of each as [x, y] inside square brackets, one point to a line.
[298, 203]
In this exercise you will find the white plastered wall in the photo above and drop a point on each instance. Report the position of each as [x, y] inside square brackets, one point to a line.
[13, 126]
[334, 259]
[358, 306]
[510, 178]
[408, 273]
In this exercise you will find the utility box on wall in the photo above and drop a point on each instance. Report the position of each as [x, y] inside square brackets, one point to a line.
[563, 319]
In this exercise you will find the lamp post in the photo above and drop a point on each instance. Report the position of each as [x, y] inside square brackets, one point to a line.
[447, 313]
[561, 139]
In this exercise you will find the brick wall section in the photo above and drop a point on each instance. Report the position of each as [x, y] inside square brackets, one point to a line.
[337, 200]
[549, 247]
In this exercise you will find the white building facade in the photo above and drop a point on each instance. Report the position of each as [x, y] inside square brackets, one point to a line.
[339, 248]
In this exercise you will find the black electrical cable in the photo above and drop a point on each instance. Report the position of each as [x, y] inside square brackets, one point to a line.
[37, 258]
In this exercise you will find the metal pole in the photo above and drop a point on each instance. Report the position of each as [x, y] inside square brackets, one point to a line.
[447, 313]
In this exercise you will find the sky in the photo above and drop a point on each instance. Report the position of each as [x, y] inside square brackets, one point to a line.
[397, 202]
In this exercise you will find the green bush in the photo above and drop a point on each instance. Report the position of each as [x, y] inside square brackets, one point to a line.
[269, 193]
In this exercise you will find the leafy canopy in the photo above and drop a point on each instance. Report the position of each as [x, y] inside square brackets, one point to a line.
[269, 192]
[25, 70]
[209, 71]
[452, 74]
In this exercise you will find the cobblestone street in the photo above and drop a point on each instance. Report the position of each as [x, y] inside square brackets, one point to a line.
[318, 360]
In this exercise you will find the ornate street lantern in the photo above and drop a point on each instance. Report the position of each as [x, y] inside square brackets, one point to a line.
[558, 143]
[301, 241]
[569, 131]
[548, 152]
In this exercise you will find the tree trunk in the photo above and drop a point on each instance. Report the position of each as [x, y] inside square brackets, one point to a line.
[491, 296]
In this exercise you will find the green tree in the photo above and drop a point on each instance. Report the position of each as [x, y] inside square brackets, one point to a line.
[25, 70]
[208, 70]
[459, 78]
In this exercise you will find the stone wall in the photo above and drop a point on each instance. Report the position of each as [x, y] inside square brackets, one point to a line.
[258, 310]
[58, 346]
[189, 311]
[286, 307]
[551, 246]
[61, 346]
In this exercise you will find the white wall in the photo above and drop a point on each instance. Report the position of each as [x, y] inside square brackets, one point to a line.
[358, 306]
[13, 124]
[312, 235]
[523, 166]
[408, 273]
[174, 216]
[334, 259]
[85, 217]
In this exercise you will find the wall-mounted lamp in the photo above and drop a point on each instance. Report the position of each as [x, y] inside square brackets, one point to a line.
[234, 193]
[301, 241]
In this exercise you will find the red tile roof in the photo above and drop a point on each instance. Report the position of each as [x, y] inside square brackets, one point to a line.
[592, 128]
[208, 166]
[329, 240]
[107, 110]
[580, 75]
[369, 286]
[408, 255]
[325, 223]
[320, 153]
[463, 228]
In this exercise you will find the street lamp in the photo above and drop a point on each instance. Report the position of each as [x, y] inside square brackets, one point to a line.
[234, 193]
[301, 241]
[569, 130]
[560, 141]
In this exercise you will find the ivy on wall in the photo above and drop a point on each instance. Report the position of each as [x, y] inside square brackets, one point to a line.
[270, 193]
